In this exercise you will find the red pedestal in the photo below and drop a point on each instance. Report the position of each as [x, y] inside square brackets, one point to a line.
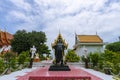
[44, 74]
[59, 78]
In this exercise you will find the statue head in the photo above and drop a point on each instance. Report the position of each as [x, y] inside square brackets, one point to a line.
[33, 46]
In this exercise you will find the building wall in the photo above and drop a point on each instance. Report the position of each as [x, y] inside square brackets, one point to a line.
[90, 48]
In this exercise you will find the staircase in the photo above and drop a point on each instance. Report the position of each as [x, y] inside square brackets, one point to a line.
[41, 64]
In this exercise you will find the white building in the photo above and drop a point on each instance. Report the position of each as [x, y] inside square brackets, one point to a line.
[85, 44]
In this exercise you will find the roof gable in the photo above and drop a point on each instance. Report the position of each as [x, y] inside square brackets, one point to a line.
[5, 38]
[89, 39]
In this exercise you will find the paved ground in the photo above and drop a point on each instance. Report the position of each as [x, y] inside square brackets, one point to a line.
[14, 75]
[42, 73]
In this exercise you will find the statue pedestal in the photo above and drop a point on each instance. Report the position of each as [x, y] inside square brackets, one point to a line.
[59, 68]
[36, 60]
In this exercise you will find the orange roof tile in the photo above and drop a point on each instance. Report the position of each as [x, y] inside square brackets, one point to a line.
[89, 39]
[9, 36]
[5, 38]
[1, 43]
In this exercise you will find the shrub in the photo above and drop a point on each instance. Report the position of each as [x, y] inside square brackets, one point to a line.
[1, 65]
[117, 68]
[94, 59]
[23, 57]
[71, 56]
[9, 57]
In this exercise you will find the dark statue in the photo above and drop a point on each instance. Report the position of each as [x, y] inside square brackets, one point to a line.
[59, 52]
[59, 47]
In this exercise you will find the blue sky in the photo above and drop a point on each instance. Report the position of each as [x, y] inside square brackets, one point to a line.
[69, 16]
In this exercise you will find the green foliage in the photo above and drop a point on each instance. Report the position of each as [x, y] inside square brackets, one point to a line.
[71, 56]
[42, 57]
[108, 59]
[24, 40]
[108, 64]
[20, 42]
[43, 48]
[94, 58]
[23, 57]
[13, 63]
[115, 47]
[111, 56]
[117, 68]
[10, 59]
[1, 65]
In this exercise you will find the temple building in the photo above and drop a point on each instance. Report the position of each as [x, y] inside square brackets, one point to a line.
[5, 41]
[84, 44]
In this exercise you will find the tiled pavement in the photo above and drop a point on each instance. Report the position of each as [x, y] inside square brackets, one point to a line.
[43, 72]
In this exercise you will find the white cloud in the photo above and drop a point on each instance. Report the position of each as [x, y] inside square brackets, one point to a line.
[17, 15]
[27, 22]
[115, 6]
[68, 16]
[0, 6]
[21, 4]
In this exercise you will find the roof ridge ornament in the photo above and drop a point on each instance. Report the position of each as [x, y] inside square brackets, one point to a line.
[5, 29]
[59, 38]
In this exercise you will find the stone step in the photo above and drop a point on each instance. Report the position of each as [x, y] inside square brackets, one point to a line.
[40, 64]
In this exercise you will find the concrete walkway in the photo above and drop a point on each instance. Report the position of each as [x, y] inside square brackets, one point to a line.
[14, 75]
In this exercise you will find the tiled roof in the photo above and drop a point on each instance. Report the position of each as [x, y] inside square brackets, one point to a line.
[89, 39]
[5, 38]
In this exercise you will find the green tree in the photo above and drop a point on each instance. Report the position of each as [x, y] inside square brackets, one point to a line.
[20, 42]
[115, 47]
[71, 56]
[24, 40]
[38, 39]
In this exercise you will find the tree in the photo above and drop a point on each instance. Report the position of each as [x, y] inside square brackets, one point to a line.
[38, 39]
[115, 47]
[71, 56]
[20, 42]
[24, 40]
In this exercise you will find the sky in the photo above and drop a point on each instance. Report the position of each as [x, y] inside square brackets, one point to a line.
[83, 17]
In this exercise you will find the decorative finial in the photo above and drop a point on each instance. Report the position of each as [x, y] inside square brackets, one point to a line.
[75, 38]
[96, 32]
[5, 29]
[59, 31]
[75, 33]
